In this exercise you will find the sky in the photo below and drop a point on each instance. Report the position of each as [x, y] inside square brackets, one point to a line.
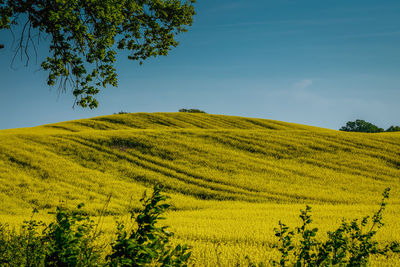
[313, 62]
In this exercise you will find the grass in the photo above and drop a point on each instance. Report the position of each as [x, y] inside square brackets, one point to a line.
[230, 178]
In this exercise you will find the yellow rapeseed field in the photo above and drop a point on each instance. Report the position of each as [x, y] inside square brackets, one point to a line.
[231, 179]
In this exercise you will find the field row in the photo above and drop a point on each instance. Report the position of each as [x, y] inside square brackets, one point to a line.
[246, 165]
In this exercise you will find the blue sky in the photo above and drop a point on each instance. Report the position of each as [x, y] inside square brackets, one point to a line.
[312, 62]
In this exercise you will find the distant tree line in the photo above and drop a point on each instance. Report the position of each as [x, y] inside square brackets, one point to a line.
[192, 110]
[366, 127]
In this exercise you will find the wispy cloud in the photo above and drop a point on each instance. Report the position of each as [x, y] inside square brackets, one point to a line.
[373, 34]
[303, 84]
[240, 24]
[303, 22]
[228, 6]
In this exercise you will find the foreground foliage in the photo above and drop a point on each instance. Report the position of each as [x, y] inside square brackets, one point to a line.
[71, 240]
[351, 244]
[86, 35]
[147, 243]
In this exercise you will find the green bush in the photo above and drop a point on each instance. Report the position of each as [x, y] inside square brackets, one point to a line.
[25, 248]
[351, 244]
[70, 240]
[147, 244]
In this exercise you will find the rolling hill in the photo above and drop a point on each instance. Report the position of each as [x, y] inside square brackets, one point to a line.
[215, 168]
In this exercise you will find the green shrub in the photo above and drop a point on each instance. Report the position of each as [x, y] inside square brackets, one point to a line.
[351, 244]
[25, 248]
[70, 240]
[147, 244]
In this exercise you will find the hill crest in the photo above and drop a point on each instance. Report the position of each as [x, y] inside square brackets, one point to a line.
[173, 120]
[198, 157]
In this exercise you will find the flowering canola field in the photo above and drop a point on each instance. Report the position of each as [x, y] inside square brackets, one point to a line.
[231, 179]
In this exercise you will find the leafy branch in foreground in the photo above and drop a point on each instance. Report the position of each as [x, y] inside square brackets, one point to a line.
[70, 240]
[351, 244]
[148, 244]
[84, 36]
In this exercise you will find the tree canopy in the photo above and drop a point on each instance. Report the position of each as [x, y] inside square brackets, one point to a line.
[393, 129]
[366, 127]
[361, 126]
[191, 110]
[85, 36]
